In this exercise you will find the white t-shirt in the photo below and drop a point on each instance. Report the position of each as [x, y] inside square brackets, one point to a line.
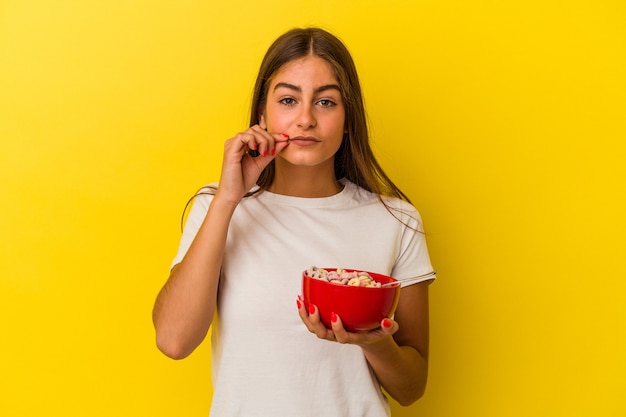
[265, 361]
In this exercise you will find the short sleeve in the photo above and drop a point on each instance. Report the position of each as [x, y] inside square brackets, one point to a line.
[413, 259]
[195, 219]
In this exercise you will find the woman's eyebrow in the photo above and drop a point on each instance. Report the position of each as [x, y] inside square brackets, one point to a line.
[299, 89]
[327, 87]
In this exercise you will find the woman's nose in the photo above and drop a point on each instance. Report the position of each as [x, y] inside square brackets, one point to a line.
[306, 118]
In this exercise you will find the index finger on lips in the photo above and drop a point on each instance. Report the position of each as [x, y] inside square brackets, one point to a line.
[282, 141]
[276, 141]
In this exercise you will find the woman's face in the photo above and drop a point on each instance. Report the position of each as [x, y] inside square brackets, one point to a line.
[304, 102]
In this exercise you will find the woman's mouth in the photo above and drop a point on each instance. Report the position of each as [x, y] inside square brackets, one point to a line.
[304, 140]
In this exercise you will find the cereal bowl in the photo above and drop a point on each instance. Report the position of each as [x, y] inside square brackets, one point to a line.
[361, 309]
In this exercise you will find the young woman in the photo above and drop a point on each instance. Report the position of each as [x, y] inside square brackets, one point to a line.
[299, 188]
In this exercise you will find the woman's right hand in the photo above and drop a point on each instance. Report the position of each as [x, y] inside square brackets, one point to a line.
[240, 171]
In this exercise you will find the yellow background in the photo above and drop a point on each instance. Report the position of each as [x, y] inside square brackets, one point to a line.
[503, 121]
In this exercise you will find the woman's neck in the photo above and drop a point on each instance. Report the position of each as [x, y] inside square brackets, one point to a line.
[308, 182]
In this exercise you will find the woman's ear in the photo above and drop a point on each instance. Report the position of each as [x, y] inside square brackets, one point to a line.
[262, 119]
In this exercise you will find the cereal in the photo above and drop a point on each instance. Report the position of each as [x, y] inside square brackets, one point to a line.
[343, 277]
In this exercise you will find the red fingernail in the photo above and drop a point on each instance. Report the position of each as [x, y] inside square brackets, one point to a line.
[299, 304]
[285, 136]
[311, 309]
[264, 153]
[387, 323]
[273, 151]
[333, 317]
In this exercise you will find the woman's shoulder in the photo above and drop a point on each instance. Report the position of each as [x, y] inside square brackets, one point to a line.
[365, 195]
[207, 191]
[399, 208]
[210, 188]
[399, 204]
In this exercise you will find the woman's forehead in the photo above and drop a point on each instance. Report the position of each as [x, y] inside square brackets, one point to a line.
[310, 70]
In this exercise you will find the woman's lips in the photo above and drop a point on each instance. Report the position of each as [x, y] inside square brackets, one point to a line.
[304, 140]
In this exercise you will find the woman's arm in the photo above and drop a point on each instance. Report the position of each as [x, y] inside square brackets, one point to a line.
[184, 308]
[401, 362]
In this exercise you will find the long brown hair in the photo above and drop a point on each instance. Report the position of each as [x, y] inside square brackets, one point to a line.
[354, 160]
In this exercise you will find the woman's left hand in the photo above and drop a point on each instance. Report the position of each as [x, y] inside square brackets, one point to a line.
[338, 333]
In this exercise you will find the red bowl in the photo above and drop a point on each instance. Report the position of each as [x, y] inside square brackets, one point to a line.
[361, 309]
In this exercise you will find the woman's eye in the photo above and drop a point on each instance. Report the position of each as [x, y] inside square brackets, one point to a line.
[326, 103]
[288, 101]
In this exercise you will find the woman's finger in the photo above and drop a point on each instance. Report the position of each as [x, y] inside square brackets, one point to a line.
[341, 334]
[387, 328]
[259, 142]
[317, 326]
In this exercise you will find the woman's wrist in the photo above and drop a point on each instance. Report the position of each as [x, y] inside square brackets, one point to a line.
[220, 202]
[385, 346]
